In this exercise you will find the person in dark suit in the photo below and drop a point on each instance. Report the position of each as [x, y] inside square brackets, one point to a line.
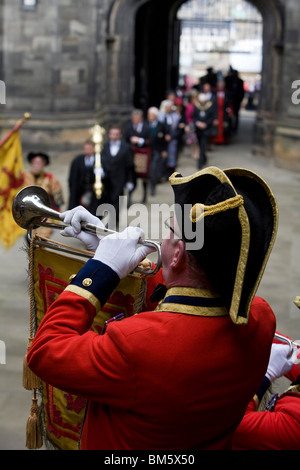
[82, 179]
[158, 144]
[137, 130]
[117, 164]
[235, 87]
[137, 135]
[204, 116]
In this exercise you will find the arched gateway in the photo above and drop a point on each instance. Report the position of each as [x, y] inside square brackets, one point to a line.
[73, 64]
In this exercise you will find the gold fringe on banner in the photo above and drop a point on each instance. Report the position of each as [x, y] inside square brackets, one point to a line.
[30, 380]
[34, 438]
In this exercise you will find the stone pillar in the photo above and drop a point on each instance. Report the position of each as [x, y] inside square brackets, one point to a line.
[287, 129]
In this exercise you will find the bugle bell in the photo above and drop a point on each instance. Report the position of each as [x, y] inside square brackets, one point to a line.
[31, 209]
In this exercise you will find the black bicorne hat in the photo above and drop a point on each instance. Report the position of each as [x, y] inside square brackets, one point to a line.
[240, 218]
[32, 155]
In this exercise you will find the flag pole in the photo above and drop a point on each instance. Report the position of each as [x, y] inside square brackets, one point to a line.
[15, 128]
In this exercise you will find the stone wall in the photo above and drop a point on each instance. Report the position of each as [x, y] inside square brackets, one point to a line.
[72, 63]
[51, 60]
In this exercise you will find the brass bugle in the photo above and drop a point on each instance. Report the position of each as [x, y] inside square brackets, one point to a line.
[31, 208]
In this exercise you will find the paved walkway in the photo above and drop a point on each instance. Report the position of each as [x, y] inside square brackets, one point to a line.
[280, 284]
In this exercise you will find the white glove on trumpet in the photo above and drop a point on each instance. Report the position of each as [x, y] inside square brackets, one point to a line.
[75, 217]
[119, 251]
[279, 362]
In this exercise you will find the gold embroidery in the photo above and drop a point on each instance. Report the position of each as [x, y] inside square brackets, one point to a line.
[191, 309]
[85, 294]
[192, 292]
[194, 310]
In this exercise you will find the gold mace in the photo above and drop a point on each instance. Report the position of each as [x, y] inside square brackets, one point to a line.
[98, 133]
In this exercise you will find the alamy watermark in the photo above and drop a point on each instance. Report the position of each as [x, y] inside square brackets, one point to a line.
[296, 94]
[153, 221]
[2, 92]
[2, 353]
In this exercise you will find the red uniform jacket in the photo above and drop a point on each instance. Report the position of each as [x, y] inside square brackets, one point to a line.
[278, 429]
[157, 380]
[271, 430]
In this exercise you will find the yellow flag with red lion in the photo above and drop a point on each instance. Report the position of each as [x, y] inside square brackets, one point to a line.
[11, 181]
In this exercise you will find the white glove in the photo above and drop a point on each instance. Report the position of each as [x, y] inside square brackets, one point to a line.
[119, 251]
[75, 217]
[279, 362]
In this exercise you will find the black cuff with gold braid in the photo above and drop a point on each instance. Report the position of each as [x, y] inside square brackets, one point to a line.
[95, 279]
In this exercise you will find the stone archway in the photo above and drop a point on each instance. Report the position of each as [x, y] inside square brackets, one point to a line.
[145, 59]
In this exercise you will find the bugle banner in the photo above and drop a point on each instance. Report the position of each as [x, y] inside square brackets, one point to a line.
[62, 413]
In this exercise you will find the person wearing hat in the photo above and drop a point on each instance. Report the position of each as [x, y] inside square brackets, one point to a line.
[38, 176]
[178, 375]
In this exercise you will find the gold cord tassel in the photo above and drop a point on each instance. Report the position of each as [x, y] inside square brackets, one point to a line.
[30, 379]
[34, 438]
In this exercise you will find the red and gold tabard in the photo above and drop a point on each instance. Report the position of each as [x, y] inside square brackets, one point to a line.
[52, 186]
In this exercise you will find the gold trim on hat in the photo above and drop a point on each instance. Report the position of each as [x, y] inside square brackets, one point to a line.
[211, 170]
[198, 211]
[245, 237]
[240, 270]
[262, 182]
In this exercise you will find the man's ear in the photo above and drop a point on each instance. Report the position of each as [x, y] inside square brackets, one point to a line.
[179, 255]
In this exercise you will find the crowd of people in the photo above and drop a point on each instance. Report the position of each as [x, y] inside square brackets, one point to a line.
[148, 148]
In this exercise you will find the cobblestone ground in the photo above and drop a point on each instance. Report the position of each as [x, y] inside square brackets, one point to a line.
[280, 284]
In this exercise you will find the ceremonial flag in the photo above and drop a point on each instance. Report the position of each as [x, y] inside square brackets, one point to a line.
[62, 412]
[11, 181]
